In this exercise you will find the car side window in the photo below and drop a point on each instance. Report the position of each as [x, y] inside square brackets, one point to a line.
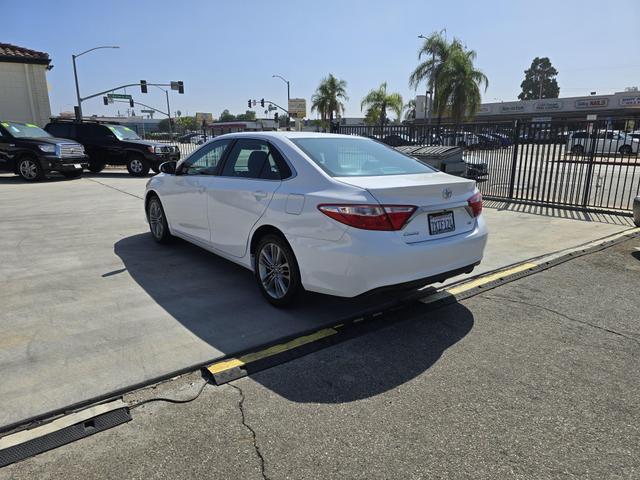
[206, 160]
[255, 159]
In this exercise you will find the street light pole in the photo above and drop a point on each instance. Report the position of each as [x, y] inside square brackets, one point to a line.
[288, 97]
[75, 76]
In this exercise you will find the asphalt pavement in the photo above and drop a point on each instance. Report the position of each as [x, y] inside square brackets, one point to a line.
[91, 305]
[536, 379]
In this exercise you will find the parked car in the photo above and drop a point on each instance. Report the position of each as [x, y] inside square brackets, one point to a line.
[334, 214]
[29, 151]
[186, 138]
[200, 139]
[397, 140]
[460, 139]
[115, 144]
[606, 141]
[504, 140]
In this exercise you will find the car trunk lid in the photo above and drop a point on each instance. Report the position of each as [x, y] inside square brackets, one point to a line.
[435, 194]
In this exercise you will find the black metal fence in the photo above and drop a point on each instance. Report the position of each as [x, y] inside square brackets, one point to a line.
[587, 165]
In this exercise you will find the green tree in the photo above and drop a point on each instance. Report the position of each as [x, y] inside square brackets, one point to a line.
[436, 51]
[459, 85]
[372, 116]
[186, 123]
[540, 80]
[226, 116]
[451, 76]
[249, 115]
[163, 126]
[328, 98]
[379, 100]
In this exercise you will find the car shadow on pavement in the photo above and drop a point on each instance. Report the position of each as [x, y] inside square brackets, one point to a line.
[219, 301]
[372, 363]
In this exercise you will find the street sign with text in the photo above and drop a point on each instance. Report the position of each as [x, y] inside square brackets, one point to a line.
[297, 107]
[119, 96]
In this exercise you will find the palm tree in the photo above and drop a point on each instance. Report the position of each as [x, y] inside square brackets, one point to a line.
[436, 51]
[380, 100]
[459, 85]
[410, 110]
[450, 75]
[328, 98]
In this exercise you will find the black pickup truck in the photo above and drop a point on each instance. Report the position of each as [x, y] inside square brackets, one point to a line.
[115, 144]
[29, 151]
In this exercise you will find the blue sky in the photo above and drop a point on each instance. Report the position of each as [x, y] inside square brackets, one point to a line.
[226, 52]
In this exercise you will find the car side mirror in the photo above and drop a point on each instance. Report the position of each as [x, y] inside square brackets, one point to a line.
[168, 167]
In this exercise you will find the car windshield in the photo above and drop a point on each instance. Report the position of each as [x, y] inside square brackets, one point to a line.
[123, 133]
[358, 157]
[24, 130]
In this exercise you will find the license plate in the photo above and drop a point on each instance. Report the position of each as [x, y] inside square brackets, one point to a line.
[77, 165]
[441, 223]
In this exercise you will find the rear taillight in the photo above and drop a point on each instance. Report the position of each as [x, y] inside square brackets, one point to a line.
[475, 203]
[370, 217]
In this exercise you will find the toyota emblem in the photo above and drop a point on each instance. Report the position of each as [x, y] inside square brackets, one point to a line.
[446, 193]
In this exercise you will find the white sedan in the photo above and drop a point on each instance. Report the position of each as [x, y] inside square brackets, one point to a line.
[334, 214]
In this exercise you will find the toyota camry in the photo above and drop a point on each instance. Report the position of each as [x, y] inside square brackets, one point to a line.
[334, 214]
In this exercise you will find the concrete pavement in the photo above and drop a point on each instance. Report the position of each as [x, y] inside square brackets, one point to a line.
[535, 379]
[91, 304]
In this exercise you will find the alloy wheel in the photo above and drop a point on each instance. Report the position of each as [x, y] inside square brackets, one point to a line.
[28, 169]
[274, 270]
[136, 165]
[156, 219]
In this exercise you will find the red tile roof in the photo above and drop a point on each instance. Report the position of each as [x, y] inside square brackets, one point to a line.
[13, 53]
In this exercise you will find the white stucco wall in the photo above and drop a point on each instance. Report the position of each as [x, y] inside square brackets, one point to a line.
[24, 96]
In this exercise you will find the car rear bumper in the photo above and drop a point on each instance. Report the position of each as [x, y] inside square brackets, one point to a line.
[362, 261]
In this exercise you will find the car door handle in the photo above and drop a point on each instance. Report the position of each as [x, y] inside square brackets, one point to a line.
[259, 195]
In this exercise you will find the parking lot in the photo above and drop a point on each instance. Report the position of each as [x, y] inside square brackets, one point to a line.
[91, 305]
[535, 379]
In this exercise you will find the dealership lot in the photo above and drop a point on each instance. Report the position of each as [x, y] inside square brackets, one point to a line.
[91, 304]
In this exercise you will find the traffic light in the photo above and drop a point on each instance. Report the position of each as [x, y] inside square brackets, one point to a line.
[262, 102]
[105, 100]
[180, 87]
[143, 86]
[131, 104]
[249, 103]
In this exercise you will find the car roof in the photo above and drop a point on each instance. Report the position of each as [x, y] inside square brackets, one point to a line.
[289, 135]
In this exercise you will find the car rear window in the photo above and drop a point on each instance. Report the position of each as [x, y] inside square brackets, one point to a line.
[358, 157]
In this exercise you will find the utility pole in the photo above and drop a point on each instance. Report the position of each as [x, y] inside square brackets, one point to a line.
[75, 76]
[288, 98]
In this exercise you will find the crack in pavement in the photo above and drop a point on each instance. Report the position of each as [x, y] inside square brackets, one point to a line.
[253, 432]
[113, 188]
[556, 312]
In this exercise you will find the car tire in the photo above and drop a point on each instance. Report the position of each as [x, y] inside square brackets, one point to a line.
[29, 169]
[157, 219]
[96, 167]
[626, 150]
[74, 174]
[137, 166]
[276, 271]
[577, 149]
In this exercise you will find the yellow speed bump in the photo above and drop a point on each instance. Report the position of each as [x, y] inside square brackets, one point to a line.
[231, 363]
[490, 278]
